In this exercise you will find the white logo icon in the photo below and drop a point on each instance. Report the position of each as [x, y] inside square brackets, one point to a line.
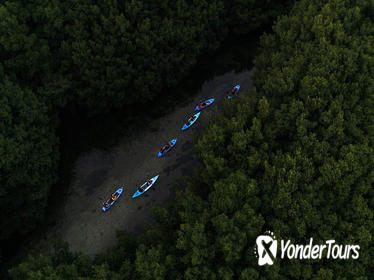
[266, 248]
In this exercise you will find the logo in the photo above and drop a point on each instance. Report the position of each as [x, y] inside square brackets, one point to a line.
[267, 246]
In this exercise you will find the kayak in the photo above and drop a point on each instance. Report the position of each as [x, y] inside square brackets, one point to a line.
[204, 104]
[145, 187]
[191, 121]
[119, 192]
[236, 92]
[164, 151]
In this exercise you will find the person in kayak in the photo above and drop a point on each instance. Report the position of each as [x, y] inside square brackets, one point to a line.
[106, 203]
[203, 104]
[114, 196]
[164, 148]
[190, 120]
[142, 188]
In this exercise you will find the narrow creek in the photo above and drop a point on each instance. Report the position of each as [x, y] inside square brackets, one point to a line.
[110, 156]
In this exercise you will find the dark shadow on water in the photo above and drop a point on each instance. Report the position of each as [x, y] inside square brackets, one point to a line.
[187, 145]
[94, 180]
[188, 171]
[185, 160]
[170, 168]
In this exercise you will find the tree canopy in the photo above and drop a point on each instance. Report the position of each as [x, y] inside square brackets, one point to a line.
[293, 156]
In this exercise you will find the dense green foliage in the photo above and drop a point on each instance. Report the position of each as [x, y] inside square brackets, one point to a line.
[93, 56]
[294, 156]
[27, 148]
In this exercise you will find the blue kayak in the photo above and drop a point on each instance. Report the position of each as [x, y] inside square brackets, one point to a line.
[167, 147]
[204, 104]
[145, 187]
[110, 201]
[234, 91]
[191, 121]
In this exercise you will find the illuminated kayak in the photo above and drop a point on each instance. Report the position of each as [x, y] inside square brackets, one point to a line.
[234, 91]
[191, 121]
[204, 104]
[107, 204]
[145, 187]
[167, 147]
